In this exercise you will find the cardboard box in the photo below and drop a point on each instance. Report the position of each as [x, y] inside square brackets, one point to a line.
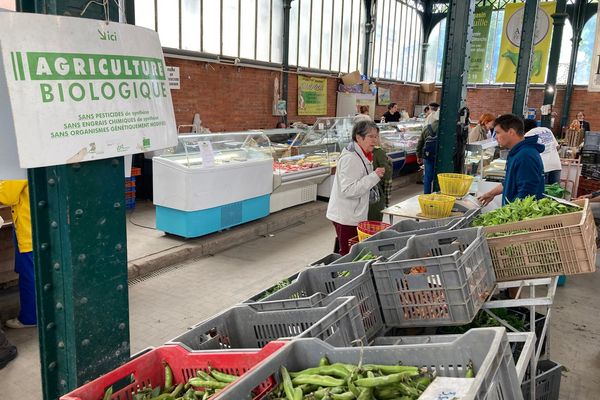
[365, 87]
[427, 87]
[353, 78]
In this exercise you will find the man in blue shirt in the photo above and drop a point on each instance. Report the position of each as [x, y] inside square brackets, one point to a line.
[524, 169]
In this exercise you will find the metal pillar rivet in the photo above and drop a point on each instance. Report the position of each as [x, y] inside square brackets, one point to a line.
[44, 246]
[76, 166]
[56, 266]
[125, 344]
[78, 212]
[50, 326]
[54, 224]
[63, 382]
[115, 162]
[47, 287]
[117, 205]
[117, 353]
[81, 258]
[61, 345]
[51, 182]
[59, 306]
[42, 203]
[102, 221]
[52, 365]
[85, 342]
[83, 300]
[122, 325]
[120, 288]
[118, 247]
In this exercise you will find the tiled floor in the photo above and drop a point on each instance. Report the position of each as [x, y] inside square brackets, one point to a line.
[216, 282]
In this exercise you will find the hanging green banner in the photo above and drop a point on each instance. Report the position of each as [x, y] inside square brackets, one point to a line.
[511, 41]
[481, 29]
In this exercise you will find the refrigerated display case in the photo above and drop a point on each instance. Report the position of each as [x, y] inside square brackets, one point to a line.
[483, 160]
[399, 140]
[299, 169]
[210, 182]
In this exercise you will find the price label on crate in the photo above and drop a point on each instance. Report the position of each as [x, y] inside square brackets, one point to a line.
[443, 388]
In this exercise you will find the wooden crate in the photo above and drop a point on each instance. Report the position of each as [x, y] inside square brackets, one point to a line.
[557, 245]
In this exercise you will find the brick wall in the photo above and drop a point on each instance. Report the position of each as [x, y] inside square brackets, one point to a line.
[231, 98]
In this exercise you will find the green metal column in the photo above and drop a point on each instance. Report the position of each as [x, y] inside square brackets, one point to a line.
[579, 19]
[368, 36]
[80, 255]
[287, 5]
[524, 64]
[454, 78]
[550, 88]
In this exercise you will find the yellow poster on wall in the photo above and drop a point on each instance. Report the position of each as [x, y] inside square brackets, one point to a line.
[511, 40]
[312, 96]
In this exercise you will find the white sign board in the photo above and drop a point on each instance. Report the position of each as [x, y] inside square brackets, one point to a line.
[82, 89]
[594, 84]
[9, 160]
[173, 76]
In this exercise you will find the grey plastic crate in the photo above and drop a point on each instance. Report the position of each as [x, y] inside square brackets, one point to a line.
[547, 381]
[380, 248]
[438, 279]
[243, 327]
[328, 259]
[262, 294]
[321, 285]
[488, 349]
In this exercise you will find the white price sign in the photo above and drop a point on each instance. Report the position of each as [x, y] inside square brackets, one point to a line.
[173, 75]
[82, 89]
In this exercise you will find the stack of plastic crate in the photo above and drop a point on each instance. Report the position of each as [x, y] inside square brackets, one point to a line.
[130, 188]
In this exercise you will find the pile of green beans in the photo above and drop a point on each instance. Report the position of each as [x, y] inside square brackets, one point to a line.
[340, 381]
[201, 387]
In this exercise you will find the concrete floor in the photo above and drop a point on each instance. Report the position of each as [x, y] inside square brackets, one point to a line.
[242, 271]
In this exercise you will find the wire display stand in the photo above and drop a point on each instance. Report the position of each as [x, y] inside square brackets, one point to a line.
[531, 294]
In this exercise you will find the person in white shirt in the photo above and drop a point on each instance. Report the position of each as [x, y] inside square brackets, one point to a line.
[550, 157]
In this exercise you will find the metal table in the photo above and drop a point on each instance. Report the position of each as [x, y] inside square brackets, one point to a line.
[530, 302]
[410, 208]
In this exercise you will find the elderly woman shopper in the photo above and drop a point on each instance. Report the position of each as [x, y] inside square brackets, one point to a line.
[354, 178]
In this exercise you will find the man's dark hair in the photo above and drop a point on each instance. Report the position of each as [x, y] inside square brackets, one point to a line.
[434, 106]
[391, 105]
[362, 128]
[529, 124]
[510, 121]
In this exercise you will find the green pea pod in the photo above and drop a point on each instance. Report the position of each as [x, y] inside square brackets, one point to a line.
[177, 390]
[408, 390]
[204, 376]
[168, 375]
[350, 383]
[390, 369]
[422, 383]
[288, 387]
[199, 393]
[470, 370]
[343, 396]
[332, 370]
[317, 380]
[199, 382]
[164, 396]
[366, 394]
[384, 380]
[387, 393]
[298, 395]
[222, 377]
[108, 393]
[323, 361]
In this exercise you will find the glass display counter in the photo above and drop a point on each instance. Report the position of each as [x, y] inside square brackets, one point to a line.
[483, 161]
[210, 182]
[399, 140]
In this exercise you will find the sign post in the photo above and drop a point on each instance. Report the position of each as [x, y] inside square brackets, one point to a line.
[82, 94]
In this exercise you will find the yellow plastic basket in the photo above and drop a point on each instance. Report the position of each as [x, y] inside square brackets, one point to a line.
[436, 205]
[366, 229]
[454, 184]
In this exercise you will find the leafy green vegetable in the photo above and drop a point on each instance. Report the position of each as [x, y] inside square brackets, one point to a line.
[522, 210]
[278, 286]
[556, 190]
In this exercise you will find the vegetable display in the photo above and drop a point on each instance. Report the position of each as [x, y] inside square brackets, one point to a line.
[201, 387]
[484, 320]
[278, 286]
[522, 210]
[555, 190]
[341, 381]
[364, 255]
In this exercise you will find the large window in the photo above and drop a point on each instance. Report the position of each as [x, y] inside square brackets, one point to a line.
[397, 41]
[327, 34]
[250, 29]
[435, 51]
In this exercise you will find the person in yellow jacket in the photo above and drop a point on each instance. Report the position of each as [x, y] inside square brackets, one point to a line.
[15, 193]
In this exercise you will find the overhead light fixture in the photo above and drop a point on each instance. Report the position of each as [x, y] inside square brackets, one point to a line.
[550, 89]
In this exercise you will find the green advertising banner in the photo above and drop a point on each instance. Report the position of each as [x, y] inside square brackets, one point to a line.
[481, 29]
[312, 95]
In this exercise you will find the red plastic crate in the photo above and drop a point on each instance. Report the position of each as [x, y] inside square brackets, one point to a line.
[148, 370]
